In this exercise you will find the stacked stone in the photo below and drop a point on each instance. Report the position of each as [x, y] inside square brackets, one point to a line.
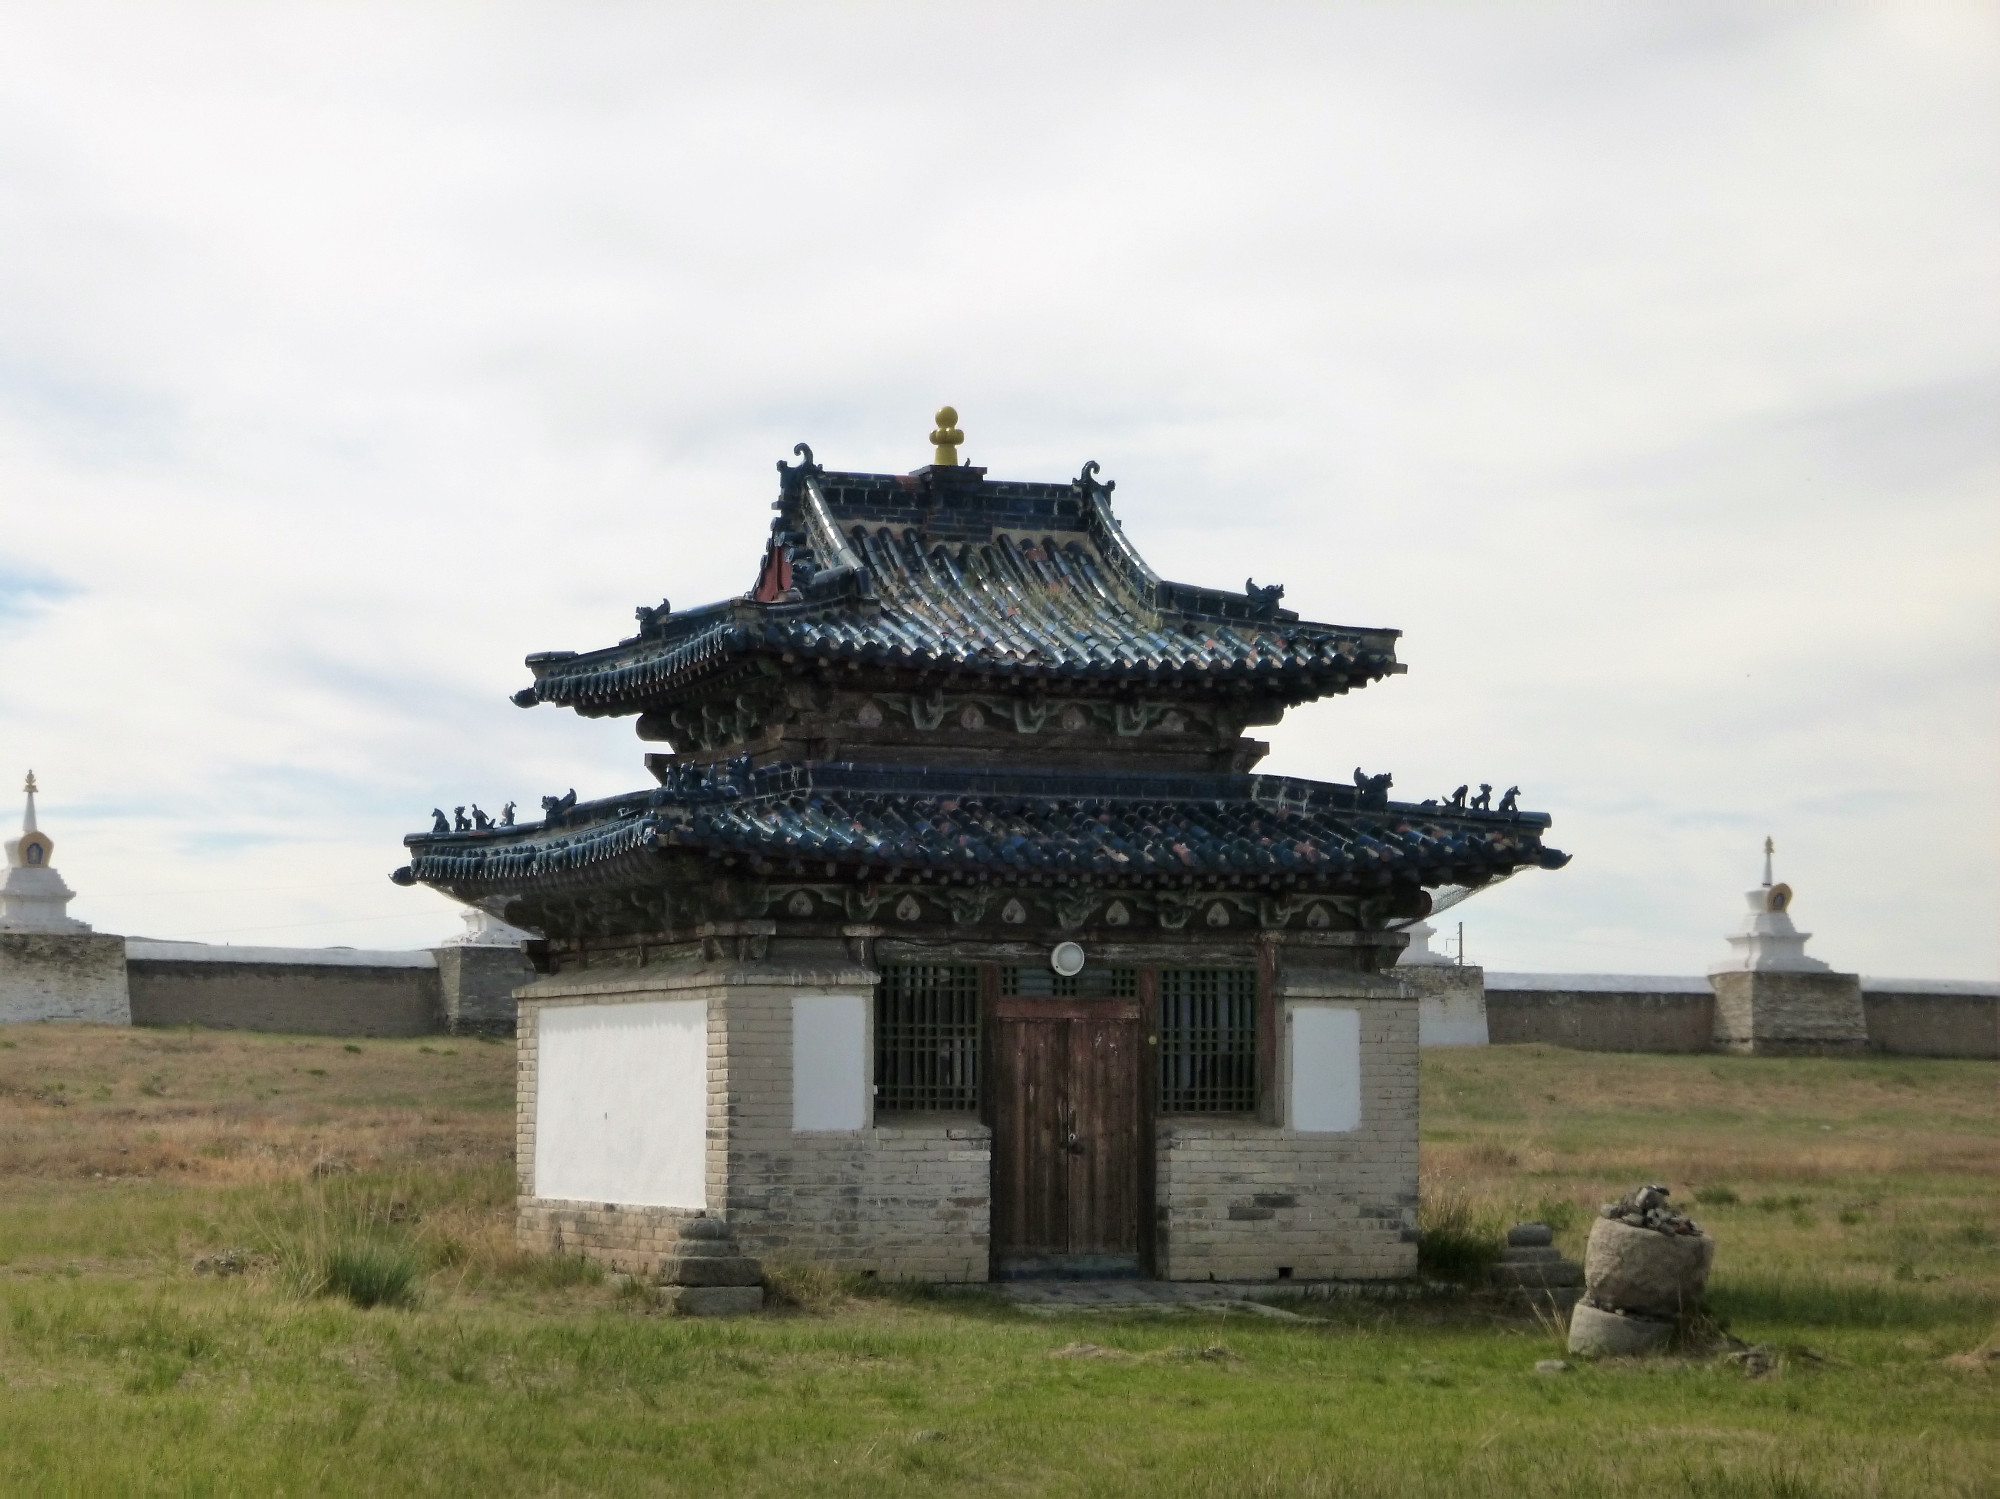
[1644, 1268]
[1532, 1267]
[706, 1275]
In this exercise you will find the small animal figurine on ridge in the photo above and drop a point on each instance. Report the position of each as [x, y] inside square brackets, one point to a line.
[1263, 601]
[1484, 801]
[1374, 789]
[946, 438]
[1510, 800]
[480, 821]
[1457, 798]
[652, 618]
[507, 815]
[439, 822]
[460, 821]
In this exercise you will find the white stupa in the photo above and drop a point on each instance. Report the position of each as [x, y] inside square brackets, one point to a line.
[1768, 942]
[1418, 954]
[34, 897]
[483, 929]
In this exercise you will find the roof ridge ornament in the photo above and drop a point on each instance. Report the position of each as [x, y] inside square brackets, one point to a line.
[1263, 601]
[801, 450]
[1087, 480]
[946, 438]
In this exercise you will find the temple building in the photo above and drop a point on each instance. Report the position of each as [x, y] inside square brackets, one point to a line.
[955, 937]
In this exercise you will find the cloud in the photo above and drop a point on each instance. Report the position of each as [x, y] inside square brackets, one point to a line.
[1639, 364]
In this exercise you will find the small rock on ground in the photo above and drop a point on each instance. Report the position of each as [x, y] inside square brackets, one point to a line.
[1552, 1366]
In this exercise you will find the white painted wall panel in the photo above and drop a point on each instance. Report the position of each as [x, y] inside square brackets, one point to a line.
[830, 1062]
[621, 1103]
[1326, 1069]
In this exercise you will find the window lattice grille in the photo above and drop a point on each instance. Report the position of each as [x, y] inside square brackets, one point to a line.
[1043, 982]
[927, 1038]
[1208, 1040]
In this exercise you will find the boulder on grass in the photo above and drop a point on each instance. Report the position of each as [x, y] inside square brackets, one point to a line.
[1595, 1332]
[1644, 1271]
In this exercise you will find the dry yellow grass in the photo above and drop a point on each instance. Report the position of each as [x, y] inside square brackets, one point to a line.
[128, 1160]
[1872, 1171]
[232, 1107]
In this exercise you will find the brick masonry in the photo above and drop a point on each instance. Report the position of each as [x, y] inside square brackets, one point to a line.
[1636, 1019]
[1245, 1200]
[906, 1202]
[63, 976]
[476, 985]
[1235, 1200]
[1915, 1023]
[1777, 1013]
[327, 999]
[1637, 1012]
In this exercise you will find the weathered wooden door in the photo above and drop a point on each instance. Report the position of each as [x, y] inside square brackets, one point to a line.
[1068, 1138]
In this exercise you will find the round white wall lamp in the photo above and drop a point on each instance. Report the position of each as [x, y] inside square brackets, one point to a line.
[1067, 959]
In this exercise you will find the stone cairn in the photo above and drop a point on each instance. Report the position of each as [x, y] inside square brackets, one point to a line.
[1532, 1268]
[705, 1274]
[1644, 1268]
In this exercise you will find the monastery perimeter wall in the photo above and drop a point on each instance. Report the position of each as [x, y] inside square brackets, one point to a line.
[1932, 1017]
[1673, 1013]
[320, 991]
[1600, 1012]
[63, 976]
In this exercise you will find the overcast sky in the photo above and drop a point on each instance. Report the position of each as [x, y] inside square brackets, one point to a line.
[1641, 364]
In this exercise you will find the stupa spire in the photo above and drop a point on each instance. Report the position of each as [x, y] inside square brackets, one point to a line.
[1767, 939]
[33, 897]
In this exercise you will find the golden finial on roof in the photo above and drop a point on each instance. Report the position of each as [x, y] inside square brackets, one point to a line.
[947, 437]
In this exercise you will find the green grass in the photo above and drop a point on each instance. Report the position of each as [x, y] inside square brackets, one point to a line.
[125, 1369]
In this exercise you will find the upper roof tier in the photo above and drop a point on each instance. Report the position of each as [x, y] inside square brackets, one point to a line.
[945, 573]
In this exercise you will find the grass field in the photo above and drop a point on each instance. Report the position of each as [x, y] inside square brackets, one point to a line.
[180, 1215]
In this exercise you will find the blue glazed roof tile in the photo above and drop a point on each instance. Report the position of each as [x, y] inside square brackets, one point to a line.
[1176, 829]
[993, 578]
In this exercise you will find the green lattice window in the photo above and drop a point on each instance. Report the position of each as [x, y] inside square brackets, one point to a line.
[927, 1038]
[1208, 1040]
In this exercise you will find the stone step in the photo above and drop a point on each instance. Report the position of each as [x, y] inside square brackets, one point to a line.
[713, 1301]
[737, 1270]
[1554, 1301]
[1538, 1276]
[1530, 1236]
[705, 1249]
[1546, 1254]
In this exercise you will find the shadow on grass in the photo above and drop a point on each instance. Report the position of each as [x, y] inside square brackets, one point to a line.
[1455, 1240]
[1828, 1303]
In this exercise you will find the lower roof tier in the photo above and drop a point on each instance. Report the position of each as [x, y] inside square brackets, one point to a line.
[965, 826]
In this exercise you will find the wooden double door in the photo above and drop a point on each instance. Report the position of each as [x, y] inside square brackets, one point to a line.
[1072, 1142]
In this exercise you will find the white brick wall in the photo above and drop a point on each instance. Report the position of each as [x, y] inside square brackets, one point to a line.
[1240, 1199]
[1237, 1199]
[907, 1201]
